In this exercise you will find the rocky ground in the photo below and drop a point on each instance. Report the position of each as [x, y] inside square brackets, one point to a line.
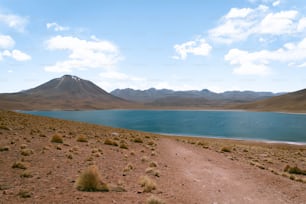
[41, 160]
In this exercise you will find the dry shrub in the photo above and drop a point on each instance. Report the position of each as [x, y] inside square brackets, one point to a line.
[4, 148]
[82, 138]
[154, 200]
[19, 165]
[138, 140]
[147, 183]
[57, 138]
[90, 180]
[26, 152]
[110, 142]
[153, 164]
[123, 146]
[226, 149]
[294, 170]
[152, 171]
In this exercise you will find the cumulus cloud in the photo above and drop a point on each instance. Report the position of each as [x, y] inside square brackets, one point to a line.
[278, 23]
[14, 21]
[240, 23]
[6, 44]
[56, 27]
[84, 54]
[198, 47]
[257, 63]
[17, 55]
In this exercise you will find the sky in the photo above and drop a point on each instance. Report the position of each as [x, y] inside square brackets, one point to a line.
[219, 45]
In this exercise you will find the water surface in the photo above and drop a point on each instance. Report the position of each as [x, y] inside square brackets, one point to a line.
[225, 124]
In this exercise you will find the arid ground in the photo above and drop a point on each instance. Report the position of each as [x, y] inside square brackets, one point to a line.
[41, 160]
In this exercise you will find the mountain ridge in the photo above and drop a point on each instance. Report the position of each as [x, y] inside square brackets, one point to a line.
[67, 92]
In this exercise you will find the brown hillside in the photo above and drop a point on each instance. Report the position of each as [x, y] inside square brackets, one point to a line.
[292, 102]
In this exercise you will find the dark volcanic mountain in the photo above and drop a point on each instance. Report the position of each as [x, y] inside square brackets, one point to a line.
[205, 97]
[68, 92]
[292, 102]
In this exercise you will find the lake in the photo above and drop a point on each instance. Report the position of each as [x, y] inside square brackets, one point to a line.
[224, 124]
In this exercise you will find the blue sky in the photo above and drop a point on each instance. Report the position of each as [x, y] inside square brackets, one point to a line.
[220, 45]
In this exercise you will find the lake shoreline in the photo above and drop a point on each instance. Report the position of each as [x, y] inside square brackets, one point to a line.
[241, 125]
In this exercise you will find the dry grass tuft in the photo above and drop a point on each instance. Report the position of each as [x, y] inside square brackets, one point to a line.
[294, 170]
[123, 146]
[154, 200]
[138, 140]
[152, 171]
[82, 138]
[57, 138]
[26, 152]
[19, 165]
[147, 183]
[4, 148]
[226, 149]
[153, 164]
[90, 180]
[110, 142]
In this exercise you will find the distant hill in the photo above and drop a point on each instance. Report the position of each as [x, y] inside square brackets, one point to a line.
[291, 102]
[67, 92]
[166, 97]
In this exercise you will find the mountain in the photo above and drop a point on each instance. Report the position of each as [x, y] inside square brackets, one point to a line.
[165, 96]
[291, 102]
[67, 92]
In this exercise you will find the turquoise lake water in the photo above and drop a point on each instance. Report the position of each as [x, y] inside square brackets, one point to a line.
[225, 124]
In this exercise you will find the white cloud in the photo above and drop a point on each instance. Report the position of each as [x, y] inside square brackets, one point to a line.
[198, 47]
[238, 13]
[14, 21]
[257, 63]
[302, 24]
[238, 24]
[6, 42]
[278, 23]
[17, 55]
[56, 27]
[84, 54]
[276, 3]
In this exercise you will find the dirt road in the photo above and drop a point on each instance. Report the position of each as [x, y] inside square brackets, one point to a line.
[199, 176]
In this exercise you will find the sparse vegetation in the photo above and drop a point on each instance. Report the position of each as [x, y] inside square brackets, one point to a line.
[154, 200]
[26, 152]
[82, 138]
[294, 170]
[110, 142]
[123, 146]
[147, 183]
[57, 138]
[25, 194]
[4, 148]
[138, 140]
[19, 165]
[90, 180]
[226, 149]
[153, 164]
[152, 171]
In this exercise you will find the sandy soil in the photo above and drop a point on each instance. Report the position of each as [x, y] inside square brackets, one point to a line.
[185, 170]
